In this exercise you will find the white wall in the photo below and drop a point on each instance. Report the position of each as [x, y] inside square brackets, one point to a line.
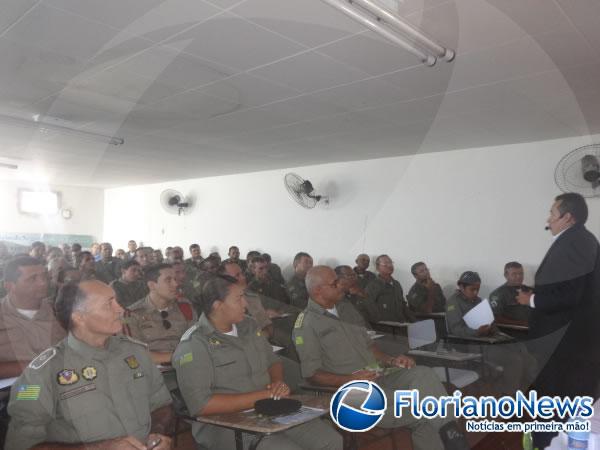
[467, 209]
[86, 204]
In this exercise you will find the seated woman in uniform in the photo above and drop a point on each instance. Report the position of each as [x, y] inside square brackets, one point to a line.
[225, 365]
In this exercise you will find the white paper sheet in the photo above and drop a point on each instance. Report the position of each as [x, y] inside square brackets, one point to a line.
[7, 382]
[480, 315]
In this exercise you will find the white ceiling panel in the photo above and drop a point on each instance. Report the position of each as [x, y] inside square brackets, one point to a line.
[585, 15]
[248, 91]
[13, 10]
[241, 44]
[303, 108]
[532, 16]
[362, 94]
[66, 34]
[176, 69]
[309, 22]
[117, 14]
[29, 74]
[309, 72]
[370, 53]
[421, 81]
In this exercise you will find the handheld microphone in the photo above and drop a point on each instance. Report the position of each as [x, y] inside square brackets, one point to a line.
[546, 228]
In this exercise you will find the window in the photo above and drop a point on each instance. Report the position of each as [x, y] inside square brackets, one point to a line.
[41, 203]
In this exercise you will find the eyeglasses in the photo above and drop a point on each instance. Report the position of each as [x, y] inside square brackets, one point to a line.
[165, 322]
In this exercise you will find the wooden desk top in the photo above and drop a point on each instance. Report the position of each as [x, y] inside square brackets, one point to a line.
[512, 326]
[483, 339]
[393, 324]
[431, 315]
[250, 422]
[447, 356]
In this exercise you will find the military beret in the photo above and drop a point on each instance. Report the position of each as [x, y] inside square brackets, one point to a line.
[469, 277]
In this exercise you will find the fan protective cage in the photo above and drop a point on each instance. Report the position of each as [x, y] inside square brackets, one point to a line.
[568, 173]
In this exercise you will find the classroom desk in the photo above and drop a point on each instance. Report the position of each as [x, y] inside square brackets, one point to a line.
[431, 315]
[396, 327]
[250, 422]
[515, 330]
[480, 339]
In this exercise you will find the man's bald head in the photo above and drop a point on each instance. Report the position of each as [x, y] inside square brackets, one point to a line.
[323, 287]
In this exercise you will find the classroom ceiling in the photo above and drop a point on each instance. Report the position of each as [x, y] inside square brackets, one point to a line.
[200, 88]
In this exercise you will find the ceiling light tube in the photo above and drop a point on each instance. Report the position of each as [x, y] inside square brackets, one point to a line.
[383, 15]
[44, 127]
[373, 25]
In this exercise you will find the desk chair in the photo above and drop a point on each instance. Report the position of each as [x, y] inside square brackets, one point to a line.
[182, 415]
[350, 441]
[422, 335]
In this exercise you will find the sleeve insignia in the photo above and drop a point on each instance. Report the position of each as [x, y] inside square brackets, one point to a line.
[42, 358]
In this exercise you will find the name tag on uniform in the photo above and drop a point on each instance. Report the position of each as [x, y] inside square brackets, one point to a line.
[78, 391]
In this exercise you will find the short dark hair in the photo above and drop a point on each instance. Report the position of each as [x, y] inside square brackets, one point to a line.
[76, 245]
[223, 267]
[298, 257]
[11, 270]
[232, 247]
[215, 289]
[69, 297]
[575, 204]
[413, 268]
[84, 253]
[512, 265]
[258, 259]
[152, 273]
[194, 246]
[339, 270]
[379, 259]
[267, 257]
[127, 264]
[37, 244]
[251, 254]
[210, 260]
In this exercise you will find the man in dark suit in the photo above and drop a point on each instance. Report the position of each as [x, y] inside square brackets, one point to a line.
[565, 306]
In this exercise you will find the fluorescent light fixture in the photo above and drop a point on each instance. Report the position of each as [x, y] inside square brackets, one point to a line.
[47, 128]
[42, 203]
[391, 27]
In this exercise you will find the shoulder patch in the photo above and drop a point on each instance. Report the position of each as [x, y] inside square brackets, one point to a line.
[186, 336]
[299, 320]
[43, 358]
[132, 340]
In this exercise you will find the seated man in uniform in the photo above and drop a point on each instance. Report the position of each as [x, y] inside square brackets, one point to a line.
[334, 348]
[234, 257]
[131, 286]
[131, 248]
[141, 256]
[425, 296]
[518, 367]
[27, 322]
[353, 293]
[108, 268]
[386, 297]
[504, 298]
[273, 269]
[365, 276]
[38, 251]
[224, 365]
[176, 254]
[273, 293]
[159, 319]
[195, 257]
[296, 288]
[93, 390]
[87, 266]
